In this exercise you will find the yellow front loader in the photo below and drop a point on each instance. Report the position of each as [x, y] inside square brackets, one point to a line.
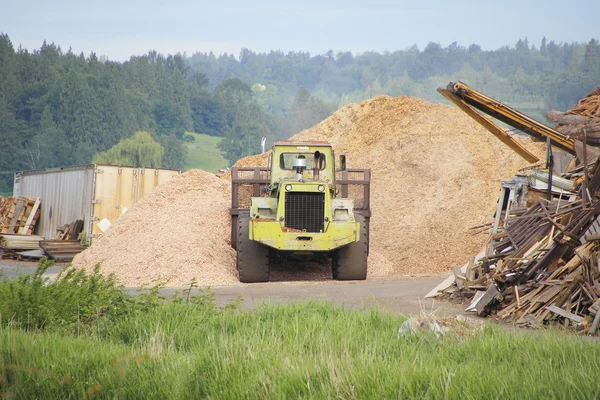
[301, 207]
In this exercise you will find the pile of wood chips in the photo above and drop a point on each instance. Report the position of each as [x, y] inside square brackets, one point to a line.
[434, 175]
[179, 232]
[18, 215]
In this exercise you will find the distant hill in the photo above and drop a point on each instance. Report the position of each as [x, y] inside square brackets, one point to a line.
[204, 154]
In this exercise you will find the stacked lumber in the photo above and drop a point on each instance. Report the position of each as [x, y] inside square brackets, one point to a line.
[18, 215]
[542, 261]
[69, 231]
[583, 118]
[12, 243]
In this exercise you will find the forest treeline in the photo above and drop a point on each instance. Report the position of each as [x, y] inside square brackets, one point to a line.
[59, 108]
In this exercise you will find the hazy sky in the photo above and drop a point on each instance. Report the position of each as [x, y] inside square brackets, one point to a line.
[119, 29]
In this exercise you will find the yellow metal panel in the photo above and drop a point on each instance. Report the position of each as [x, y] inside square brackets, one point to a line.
[307, 149]
[104, 196]
[118, 188]
[490, 126]
[465, 95]
[338, 234]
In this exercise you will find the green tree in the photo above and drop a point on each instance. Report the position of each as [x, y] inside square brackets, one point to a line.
[175, 152]
[306, 111]
[140, 150]
[49, 147]
[243, 139]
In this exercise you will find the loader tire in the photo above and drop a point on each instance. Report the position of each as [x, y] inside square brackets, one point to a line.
[235, 227]
[350, 262]
[252, 257]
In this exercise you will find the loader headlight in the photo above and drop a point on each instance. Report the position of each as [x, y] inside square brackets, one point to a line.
[321, 188]
[288, 187]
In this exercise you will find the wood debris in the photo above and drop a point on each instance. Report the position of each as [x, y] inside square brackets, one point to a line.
[542, 261]
[582, 119]
[70, 231]
[62, 250]
[18, 215]
[11, 244]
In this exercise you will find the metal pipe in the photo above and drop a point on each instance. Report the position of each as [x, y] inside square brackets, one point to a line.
[557, 181]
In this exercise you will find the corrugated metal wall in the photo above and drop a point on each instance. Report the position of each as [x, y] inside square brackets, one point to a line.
[66, 195]
[89, 192]
[119, 188]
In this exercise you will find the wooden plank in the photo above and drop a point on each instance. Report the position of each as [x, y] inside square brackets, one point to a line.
[31, 216]
[480, 305]
[446, 283]
[471, 269]
[459, 277]
[564, 313]
[15, 217]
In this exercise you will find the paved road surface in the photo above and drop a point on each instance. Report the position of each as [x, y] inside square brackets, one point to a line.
[394, 294]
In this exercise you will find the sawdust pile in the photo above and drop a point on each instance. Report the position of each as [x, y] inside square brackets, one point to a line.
[435, 173]
[176, 233]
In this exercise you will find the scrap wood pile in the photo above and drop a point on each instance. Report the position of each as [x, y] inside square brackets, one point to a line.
[584, 117]
[18, 215]
[69, 231]
[64, 246]
[542, 261]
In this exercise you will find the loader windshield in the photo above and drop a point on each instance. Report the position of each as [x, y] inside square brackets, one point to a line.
[286, 160]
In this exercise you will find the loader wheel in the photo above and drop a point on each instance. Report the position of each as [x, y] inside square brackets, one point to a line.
[252, 257]
[350, 262]
[235, 227]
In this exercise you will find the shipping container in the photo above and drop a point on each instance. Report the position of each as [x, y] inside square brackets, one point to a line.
[97, 194]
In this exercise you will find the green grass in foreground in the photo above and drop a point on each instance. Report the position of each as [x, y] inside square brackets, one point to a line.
[203, 153]
[188, 348]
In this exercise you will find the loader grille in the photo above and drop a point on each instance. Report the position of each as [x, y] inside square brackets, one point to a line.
[305, 211]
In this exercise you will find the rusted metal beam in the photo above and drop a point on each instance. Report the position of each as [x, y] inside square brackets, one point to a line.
[490, 126]
[510, 116]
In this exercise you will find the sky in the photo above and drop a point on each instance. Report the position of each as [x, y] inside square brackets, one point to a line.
[120, 29]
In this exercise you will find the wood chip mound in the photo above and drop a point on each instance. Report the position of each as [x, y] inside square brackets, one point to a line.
[435, 173]
[178, 232]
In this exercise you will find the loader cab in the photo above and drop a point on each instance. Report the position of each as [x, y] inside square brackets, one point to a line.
[302, 161]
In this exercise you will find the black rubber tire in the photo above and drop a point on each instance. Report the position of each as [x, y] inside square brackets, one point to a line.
[235, 227]
[252, 257]
[350, 262]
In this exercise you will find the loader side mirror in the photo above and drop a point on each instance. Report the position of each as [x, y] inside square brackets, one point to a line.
[342, 162]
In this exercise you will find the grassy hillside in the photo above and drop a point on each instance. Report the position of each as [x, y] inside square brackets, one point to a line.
[203, 153]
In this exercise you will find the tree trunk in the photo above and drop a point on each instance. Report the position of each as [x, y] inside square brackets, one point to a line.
[564, 118]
